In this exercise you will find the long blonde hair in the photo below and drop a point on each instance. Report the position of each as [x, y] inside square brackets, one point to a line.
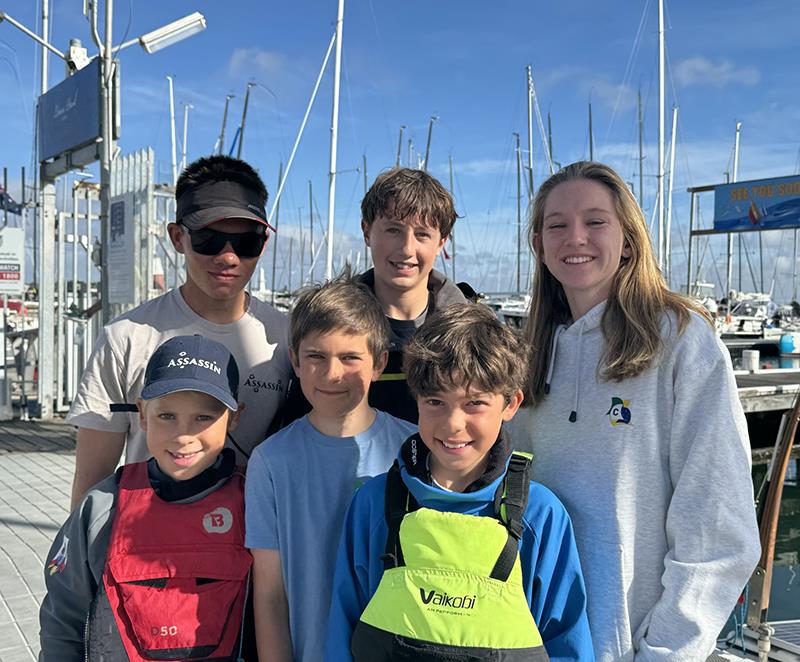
[631, 322]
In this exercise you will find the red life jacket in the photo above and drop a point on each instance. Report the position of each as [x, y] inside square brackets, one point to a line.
[176, 573]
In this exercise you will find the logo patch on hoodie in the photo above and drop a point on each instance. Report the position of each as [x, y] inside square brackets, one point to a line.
[619, 413]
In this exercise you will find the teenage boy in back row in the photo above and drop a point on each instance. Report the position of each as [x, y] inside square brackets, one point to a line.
[406, 216]
[301, 479]
[221, 229]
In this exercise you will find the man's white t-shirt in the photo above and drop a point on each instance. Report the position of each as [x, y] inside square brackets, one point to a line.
[115, 371]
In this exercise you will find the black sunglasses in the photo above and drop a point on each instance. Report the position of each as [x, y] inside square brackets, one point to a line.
[207, 241]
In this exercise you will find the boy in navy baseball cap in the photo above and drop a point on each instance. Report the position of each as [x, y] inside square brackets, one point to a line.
[153, 561]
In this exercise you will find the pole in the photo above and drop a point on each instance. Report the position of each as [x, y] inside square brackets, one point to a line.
[794, 269]
[221, 139]
[591, 135]
[399, 146]
[289, 278]
[519, 212]
[337, 70]
[641, 152]
[453, 231]
[689, 256]
[172, 131]
[5, 188]
[45, 37]
[410, 150]
[549, 137]
[311, 228]
[244, 120]
[186, 108]
[729, 272]
[530, 131]
[105, 160]
[660, 201]
[366, 248]
[302, 245]
[667, 245]
[275, 239]
[428, 143]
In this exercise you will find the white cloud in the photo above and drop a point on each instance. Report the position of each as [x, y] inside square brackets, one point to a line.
[616, 95]
[258, 63]
[481, 167]
[702, 71]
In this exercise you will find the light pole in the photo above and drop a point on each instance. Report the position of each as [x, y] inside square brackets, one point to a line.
[150, 42]
[76, 59]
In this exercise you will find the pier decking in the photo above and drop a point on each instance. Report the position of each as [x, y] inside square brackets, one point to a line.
[767, 390]
[36, 465]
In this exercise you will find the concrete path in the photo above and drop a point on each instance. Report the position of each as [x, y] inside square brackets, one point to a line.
[36, 467]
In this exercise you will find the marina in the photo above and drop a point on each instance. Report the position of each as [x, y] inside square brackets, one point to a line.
[84, 237]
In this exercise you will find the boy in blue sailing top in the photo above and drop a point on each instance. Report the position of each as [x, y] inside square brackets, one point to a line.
[466, 371]
[300, 481]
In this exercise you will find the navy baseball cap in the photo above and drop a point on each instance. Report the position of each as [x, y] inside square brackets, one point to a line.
[192, 363]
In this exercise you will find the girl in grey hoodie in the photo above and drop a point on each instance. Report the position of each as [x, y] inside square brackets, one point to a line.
[635, 424]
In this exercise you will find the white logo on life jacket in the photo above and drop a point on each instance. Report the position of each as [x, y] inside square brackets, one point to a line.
[219, 520]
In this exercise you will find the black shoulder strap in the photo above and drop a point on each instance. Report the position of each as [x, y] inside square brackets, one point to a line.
[398, 502]
[117, 407]
[509, 509]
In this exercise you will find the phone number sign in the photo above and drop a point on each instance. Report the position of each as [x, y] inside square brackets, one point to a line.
[12, 261]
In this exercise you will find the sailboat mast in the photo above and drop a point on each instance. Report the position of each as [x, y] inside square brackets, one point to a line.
[275, 239]
[519, 213]
[221, 139]
[641, 152]
[399, 146]
[591, 134]
[337, 72]
[453, 231]
[428, 143]
[729, 270]
[660, 201]
[186, 108]
[172, 131]
[530, 131]
[366, 188]
[667, 242]
[302, 247]
[244, 120]
[311, 232]
[794, 269]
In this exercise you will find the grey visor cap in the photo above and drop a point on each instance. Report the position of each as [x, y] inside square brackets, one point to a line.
[217, 201]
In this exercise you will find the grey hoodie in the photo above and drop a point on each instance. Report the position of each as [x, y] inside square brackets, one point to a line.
[655, 473]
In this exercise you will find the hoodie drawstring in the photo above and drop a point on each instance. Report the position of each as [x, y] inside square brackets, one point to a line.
[553, 346]
[573, 415]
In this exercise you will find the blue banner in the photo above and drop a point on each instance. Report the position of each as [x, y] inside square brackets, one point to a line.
[69, 113]
[761, 204]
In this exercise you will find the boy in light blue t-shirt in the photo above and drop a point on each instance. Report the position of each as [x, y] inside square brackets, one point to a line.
[300, 480]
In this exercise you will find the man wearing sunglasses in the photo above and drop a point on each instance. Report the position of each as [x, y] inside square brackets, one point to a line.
[221, 230]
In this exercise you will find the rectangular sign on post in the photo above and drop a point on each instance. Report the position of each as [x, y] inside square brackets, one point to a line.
[12, 261]
[68, 114]
[121, 274]
[760, 204]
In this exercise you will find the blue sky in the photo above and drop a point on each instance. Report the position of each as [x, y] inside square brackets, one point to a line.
[464, 62]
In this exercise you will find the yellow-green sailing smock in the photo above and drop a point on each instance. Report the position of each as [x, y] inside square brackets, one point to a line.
[452, 585]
